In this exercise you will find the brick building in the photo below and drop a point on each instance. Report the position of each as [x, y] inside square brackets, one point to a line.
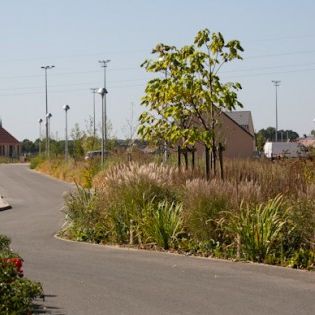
[9, 146]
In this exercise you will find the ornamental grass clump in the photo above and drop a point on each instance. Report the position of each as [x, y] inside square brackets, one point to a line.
[206, 204]
[84, 220]
[260, 230]
[162, 223]
[126, 190]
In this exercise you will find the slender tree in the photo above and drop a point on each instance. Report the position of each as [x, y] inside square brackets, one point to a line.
[183, 107]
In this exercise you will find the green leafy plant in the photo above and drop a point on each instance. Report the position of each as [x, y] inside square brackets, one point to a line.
[84, 220]
[260, 228]
[163, 223]
[16, 293]
[303, 259]
[4, 243]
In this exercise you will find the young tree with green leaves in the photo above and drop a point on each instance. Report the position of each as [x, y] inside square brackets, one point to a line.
[184, 106]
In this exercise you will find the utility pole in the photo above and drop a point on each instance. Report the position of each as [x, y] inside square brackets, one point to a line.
[276, 84]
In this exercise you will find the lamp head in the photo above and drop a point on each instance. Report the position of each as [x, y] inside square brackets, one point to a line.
[102, 91]
[66, 107]
[104, 62]
[40, 120]
[49, 115]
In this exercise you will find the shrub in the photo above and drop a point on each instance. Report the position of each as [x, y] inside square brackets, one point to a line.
[4, 243]
[16, 293]
[36, 161]
[303, 259]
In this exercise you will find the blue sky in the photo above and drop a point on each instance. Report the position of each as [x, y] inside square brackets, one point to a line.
[278, 38]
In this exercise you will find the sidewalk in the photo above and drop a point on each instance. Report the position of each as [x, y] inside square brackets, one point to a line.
[3, 204]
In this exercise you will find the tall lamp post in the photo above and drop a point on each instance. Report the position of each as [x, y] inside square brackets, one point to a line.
[104, 64]
[103, 92]
[94, 128]
[48, 117]
[40, 136]
[46, 113]
[66, 108]
[276, 84]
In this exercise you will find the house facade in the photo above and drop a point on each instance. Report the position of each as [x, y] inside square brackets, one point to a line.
[236, 133]
[9, 146]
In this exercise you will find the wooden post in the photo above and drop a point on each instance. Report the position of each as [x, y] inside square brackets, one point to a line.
[207, 163]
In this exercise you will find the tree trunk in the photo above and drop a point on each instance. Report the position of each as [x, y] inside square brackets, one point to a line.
[211, 161]
[207, 163]
[186, 159]
[179, 157]
[214, 157]
[221, 160]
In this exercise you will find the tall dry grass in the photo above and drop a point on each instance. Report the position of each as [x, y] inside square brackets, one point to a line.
[139, 203]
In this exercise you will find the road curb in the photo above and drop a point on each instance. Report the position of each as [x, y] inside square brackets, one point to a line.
[4, 205]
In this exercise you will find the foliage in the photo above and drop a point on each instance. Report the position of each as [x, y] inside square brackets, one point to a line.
[303, 259]
[36, 161]
[183, 108]
[260, 228]
[268, 134]
[7, 160]
[28, 146]
[4, 243]
[163, 223]
[126, 190]
[84, 219]
[16, 293]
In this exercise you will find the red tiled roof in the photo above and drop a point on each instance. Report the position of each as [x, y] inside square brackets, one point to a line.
[7, 138]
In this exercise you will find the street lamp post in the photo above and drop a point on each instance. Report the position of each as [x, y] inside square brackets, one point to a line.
[104, 65]
[48, 116]
[276, 84]
[103, 92]
[46, 113]
[40, 136]
[94, 127]
[66, 108]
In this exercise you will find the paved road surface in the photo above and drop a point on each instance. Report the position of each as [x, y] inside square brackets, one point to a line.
[86, 279]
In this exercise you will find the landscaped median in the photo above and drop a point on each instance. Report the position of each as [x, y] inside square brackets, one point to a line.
[261, 212]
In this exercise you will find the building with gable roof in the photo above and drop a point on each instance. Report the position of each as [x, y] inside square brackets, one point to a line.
[9, 146]
[236, 132]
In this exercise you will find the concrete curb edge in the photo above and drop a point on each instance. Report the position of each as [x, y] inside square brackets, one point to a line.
[4, 205]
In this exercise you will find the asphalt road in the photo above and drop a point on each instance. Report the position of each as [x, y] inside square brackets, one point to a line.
[87, 279]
